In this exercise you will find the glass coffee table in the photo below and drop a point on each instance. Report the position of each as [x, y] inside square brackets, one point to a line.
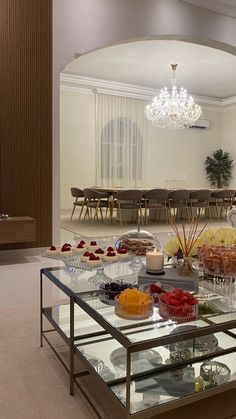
[147, 366]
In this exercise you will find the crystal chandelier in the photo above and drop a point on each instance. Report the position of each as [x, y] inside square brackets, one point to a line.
[175, 109]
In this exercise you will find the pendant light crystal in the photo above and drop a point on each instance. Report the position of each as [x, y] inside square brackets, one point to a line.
[175, 109]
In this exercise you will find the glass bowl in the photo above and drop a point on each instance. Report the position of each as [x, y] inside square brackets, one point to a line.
[214, 373]
[156, 295]
[180, 314]
[134, 311]
[140, 361]
[199, 345]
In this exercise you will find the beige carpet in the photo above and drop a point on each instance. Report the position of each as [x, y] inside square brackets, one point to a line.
[34, 385]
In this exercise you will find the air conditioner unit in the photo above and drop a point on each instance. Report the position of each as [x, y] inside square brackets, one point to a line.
[202, 124]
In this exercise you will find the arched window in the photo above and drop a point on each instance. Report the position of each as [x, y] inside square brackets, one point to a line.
[121, 152]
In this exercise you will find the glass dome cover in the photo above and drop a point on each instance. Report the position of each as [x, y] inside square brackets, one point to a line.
[138, 241]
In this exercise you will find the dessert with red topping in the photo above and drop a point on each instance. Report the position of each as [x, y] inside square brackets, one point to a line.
[94, 260]
[178, 305]
[122, 253]
[110, 249]
[85, 256]
[82, 242]
[66, 249]
[80, 248]
[110, 256]
[52, 250]
[100, 252]
[92, 245]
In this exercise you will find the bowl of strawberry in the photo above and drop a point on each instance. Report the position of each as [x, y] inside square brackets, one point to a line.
[156, 290]
[178, 305]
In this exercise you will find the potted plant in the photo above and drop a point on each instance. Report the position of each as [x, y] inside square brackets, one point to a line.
[219, 168]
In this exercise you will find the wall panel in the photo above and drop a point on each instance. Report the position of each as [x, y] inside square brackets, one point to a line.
[26, 112]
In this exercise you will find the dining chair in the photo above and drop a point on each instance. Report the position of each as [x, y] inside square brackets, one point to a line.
[96, 201]
[178, 201]
[200, 200]
[77, 194]
[223, 199]
[156, 199]
[129, 199]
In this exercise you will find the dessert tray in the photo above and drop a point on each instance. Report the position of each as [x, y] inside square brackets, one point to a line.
[75, 261]
[92, 255]
[74, 255]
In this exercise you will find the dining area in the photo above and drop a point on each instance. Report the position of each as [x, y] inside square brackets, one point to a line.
[156, 205]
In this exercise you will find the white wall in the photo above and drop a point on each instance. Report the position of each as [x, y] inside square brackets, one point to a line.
[80, 26]
[229, 139]
[169, 154]
[77, 143]
[180, 154]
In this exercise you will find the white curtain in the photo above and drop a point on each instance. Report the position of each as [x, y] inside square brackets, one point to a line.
[119, 141]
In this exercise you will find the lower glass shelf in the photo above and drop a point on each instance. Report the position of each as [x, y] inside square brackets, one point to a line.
[170, 386]
[108, 359]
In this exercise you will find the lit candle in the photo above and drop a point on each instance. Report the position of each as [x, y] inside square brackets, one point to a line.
[154, 261]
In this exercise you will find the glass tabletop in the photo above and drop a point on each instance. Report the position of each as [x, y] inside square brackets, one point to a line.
[216, 315]
[78, 280]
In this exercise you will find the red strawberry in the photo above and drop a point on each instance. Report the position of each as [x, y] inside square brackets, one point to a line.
[86, 254]
[99, 251]
[155, 289]
[53, 248]
[93, 243]
[66, 249]
[82, 242]
[110, 249]
[122, 251]
[111, 253]
[65, 245]
[93, 257]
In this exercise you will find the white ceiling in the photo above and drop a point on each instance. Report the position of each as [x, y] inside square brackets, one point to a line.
[201, 70]
[227, 7]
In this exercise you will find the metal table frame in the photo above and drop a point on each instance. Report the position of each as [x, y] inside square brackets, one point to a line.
[130, 348]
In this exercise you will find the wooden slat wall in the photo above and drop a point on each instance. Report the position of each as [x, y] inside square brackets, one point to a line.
[26, 113]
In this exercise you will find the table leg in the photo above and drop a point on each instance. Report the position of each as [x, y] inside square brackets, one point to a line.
[128, 382]
[41, 309]
[72, 317]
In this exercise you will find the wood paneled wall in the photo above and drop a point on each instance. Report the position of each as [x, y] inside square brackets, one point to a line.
[26, 113]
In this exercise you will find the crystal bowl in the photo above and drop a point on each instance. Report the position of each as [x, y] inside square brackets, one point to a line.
[156, 295]
[134, 311]
[180, 314]
[107, 294]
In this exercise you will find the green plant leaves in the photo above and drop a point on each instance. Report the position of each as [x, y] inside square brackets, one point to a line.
[219, 168]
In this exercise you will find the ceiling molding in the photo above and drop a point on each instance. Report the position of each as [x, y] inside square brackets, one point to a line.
[214, 5]
[73, 82]
[77, 89]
